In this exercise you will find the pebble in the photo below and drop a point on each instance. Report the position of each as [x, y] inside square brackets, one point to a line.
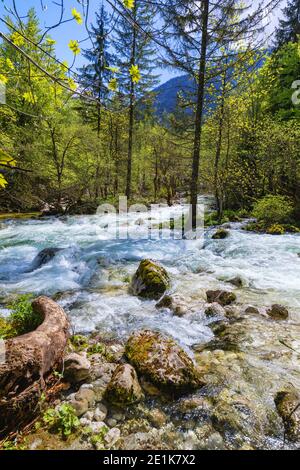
[112, 436]
[97, 426]
[112, 422]
[100, 413]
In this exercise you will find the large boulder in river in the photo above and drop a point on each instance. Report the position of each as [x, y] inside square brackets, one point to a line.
[124, 388]
[288, 406]
[29, 359]
[150, 281]
[222, 297]
[160, 359]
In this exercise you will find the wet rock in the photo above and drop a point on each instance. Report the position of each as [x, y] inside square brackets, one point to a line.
[222, 297]
[220, 234]
[251, 310]
[161, 360]
[142, 441]
[77, 368]
[278, 312]
[157, 418]
[232, 312]
[149, 388]
[124, 388]
[150, 280]
[176, 303]
[288, 406]
[236, 281]
[214, 309]
[43, 257]
[188, 405]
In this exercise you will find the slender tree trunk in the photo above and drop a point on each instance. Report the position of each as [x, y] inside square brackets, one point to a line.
[131, 119]
[218, 191]
[199, 113]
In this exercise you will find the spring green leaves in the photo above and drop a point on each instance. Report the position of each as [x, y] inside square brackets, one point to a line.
[129, 4]
[135, 73]
[77, 16]
[74, 46]
[5, 161]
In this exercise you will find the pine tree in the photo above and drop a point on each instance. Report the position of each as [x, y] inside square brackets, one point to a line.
[96, 75]
[135, 59]
[289, 28]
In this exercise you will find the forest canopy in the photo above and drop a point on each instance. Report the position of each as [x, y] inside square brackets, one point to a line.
[71, 137]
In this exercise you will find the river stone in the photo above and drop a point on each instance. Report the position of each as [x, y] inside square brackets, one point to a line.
[76, 368]
[161, 360]
[80, 406]
[150, 280]
[112, 437]
[222, 297]
[251, 310]
[220, 234]
[236, 281]
[278, 312]
[288, 406]
[44, 256]
[124, 388]
[214, 309]
[176, 303]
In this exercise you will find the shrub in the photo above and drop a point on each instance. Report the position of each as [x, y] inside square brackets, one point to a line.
[273, 209]
[6, 329]
[62, 420]
[276, 229]
[23, 318]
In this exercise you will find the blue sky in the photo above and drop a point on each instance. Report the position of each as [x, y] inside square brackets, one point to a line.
[72, 30]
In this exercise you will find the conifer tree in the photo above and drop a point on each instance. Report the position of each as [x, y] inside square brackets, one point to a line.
[135, 60]
[289, 27]
[97, 74]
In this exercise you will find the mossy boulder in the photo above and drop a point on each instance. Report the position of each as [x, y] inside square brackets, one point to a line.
[150, 281]
[288, 407]
[222, 297]
[220, 234]
[124, 388]
[161, 360]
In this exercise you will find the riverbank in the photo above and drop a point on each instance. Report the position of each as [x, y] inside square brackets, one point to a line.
[245, 357]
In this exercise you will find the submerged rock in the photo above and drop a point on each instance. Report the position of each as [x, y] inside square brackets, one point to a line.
[43, 257]
[236, 281]
[124, 387]
[162, 361]
[214, 309]
[278, 312]
[220, 234]
[175, 303]
[151, 280]
[77, 368]
[288, 406]
[222, 297]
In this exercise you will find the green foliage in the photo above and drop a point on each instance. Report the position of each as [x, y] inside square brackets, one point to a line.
[100, 348]
[23, 318]
[79, 342]
[61, 420]
[6, 329]
[97, 440]
[276, 229]
[273, 209]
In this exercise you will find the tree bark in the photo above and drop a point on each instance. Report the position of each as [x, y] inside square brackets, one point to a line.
[199, 113]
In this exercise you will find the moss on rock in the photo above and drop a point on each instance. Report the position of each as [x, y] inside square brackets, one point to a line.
[161, 360]
[151, 280]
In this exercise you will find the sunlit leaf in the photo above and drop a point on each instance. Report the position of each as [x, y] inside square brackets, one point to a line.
[77, 16]
[129, 4]
[74, 46]
[135, 73]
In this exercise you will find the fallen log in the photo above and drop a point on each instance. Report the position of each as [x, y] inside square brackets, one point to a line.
[28, 361]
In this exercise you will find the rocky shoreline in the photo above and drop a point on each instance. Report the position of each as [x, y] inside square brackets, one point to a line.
[238, 391]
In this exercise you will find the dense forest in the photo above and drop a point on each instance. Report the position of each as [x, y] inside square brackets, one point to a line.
[74, 150]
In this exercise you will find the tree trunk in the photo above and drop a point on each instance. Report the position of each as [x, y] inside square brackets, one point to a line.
[131, 119]
[199, 114]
